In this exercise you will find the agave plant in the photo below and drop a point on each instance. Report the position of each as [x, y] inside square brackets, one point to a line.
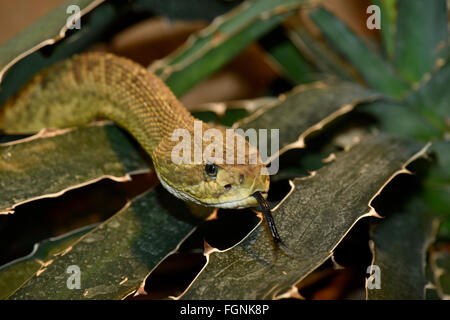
[356, 117]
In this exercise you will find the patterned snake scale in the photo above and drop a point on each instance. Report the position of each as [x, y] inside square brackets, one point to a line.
[94, 86]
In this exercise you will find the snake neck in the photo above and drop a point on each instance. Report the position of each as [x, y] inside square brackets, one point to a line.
[97, 85]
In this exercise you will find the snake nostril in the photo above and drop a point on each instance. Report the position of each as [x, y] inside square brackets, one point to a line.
[241, 178]
[227, 186]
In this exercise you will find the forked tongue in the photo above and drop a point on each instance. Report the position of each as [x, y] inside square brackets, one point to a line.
[265, 208]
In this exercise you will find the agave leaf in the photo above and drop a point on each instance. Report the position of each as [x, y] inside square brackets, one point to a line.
[312, 220]
[310, 107]
[115, 257]
[17, 272]
[183, 10]
[399, 247]
[45, 31]
[377, 73]
[287, 58]
[53, 162]
[421, 32]
[432, 98]
[388, 13]
[212, 47]
[399, 118]
[319, 53]
[21, 57]
[227, 113]
[436, 191]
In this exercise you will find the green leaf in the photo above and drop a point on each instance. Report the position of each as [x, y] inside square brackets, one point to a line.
[310, 107]
[421, 31]
[17, 272]
[185, 10]
[212, 47]
[399, 248]
[45, 31]
[400, 119]
[433, 97]
[288, 59]
[312, 221]
[436, 191]
[20, 57]
[372, 67]
[229, 112]
[56, 161]
[388, 10]
[319, 53]
[115, 257]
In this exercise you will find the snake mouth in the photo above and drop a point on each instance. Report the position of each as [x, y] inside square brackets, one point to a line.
[246, 202]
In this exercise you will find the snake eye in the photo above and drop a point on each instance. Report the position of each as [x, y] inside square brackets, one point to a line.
[211, 169]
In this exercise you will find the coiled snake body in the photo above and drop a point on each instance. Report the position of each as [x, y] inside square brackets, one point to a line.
[98, 85]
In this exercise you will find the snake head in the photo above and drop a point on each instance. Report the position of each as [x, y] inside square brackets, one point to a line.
[232, 186]
[215, 182]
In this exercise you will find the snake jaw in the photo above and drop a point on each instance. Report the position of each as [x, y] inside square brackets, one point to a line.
[229, 185]
[246, 202]
[252, 183]
[261, 185]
